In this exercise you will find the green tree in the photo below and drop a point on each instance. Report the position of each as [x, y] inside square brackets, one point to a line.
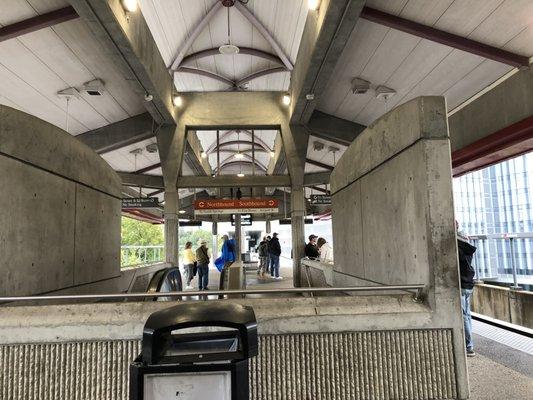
[138, 233]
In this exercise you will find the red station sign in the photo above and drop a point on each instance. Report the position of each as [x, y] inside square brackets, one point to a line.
[243, 206]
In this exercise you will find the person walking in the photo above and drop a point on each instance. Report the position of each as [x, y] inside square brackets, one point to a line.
[228, 251]
[274, 251]
[189, 262]
[311, 249]
[325, 250]
[202, 257]
[262, 250]
[466, 253]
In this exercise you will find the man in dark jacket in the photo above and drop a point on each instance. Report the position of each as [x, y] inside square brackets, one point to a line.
[274, 251]
[466, 252]
[311, 249]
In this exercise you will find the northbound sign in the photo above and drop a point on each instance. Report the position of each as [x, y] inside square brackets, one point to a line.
[243, 206]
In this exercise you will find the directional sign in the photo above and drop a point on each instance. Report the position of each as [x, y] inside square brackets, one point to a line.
[190, 223]
[242, 206]
[307, 221]
[320, 199]
[246, 219]
[140, 202]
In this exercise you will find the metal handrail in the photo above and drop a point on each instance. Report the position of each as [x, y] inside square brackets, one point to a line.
[417, 287]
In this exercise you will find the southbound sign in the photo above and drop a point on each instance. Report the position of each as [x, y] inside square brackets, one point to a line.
[242, 206]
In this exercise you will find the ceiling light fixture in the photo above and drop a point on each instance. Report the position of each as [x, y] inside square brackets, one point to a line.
[228, 49]
[286, 99]
[360, 86]
[240, 174]
[239, 155]
[181, 211]
[272, 154]
[313, 4]
[177, 100]
[204, 154]
[129, 5]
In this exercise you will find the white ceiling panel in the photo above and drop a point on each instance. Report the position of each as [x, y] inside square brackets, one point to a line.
[414, 67]
[35, 66]
[124, 160]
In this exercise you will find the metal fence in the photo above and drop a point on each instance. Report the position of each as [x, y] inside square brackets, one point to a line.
[503, 254]
[134, 255]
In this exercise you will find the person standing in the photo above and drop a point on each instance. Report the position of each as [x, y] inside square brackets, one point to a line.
[466, 253]
[262, 250]
[202, 257]
[274, 251]
[311, 249]
[325, 250]
[228, 251]
[189, 261]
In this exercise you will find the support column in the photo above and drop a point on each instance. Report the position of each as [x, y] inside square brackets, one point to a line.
[238, 236]
[171, 143]
[214, 250]
[268, 227]
[171, 227]
[297, 231]
[295, 139]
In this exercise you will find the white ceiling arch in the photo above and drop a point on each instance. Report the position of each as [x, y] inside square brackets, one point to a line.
[189, 34]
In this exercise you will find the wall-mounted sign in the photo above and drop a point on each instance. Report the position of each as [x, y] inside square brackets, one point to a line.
[246, 219]
[320, 199]
[242, 206]
[140, 202]
[190, 223]
[307, 221]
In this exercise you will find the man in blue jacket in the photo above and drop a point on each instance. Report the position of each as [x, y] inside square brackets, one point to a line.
[274, 251]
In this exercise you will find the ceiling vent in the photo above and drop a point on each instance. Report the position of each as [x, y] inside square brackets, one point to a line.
[228, 3]
[318, 146]
[360, 86]
[94, 88]
[151, 148]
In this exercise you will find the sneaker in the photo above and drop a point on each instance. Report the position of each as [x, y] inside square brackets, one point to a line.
[470, 353]
[206, 288]
[279, 278]
[188, 287]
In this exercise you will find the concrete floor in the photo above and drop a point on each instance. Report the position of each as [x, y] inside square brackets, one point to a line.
[498, 372]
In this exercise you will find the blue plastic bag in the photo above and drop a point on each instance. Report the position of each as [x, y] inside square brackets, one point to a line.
[219, 263]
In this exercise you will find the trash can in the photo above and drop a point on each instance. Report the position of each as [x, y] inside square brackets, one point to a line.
[195, 351]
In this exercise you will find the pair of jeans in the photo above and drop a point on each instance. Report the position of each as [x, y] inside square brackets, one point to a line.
[274, 265]
[466, 297]
[263, 265]
[189, 273]
[203, 276]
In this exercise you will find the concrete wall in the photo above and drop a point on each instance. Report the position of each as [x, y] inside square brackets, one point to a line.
[60, 209]
[502, 303]
[392, 211]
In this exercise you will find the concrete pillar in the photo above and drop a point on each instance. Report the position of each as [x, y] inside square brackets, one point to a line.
[238, 236]
[171, 227]
[268, 227]
[298, 231]
[215, 240]
[171, 143]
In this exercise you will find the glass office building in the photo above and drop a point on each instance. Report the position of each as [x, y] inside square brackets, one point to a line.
[493, 205]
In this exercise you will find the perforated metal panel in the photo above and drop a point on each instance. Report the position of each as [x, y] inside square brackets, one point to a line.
[355, 365]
